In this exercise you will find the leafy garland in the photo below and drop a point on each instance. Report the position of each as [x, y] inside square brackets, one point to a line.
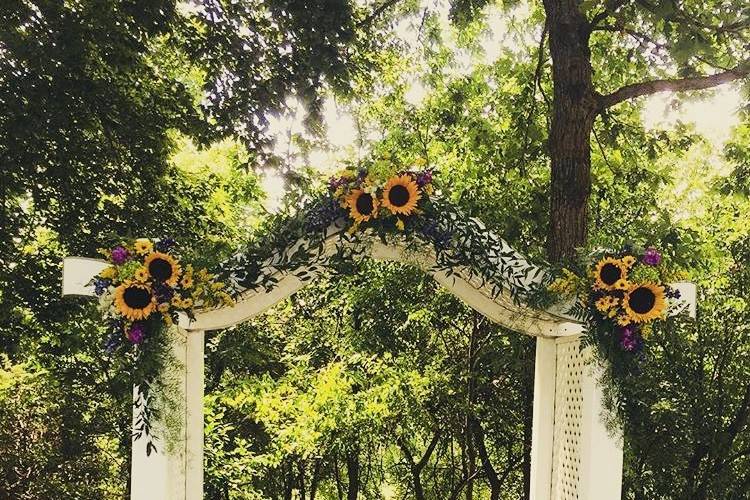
[141, 293]
[359, 206]
[618, 298]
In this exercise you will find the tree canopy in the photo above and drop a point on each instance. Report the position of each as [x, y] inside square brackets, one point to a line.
[165, 119]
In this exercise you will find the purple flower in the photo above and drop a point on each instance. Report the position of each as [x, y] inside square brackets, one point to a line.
[335, 182]
[100, 285]
[137, 332]
[628, 338]
[120, 255]
[164, 293]
[424, 178]
[114, 337]
[652, 257]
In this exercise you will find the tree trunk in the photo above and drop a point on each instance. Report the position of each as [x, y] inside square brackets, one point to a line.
[575, 107]
[352, 472]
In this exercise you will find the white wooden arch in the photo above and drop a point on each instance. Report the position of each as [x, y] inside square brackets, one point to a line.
[573, 455]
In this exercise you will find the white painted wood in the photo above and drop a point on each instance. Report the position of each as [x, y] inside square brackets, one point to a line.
[688, 298]
[162, 475]
[177, 474]
[194, 387]
[248, 306]
[78, 272]
[600, 452]
[545, 370]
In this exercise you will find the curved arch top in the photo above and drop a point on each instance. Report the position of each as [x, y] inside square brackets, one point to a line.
[496, 304]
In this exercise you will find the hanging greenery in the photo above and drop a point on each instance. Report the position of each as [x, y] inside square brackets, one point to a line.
[620, 298]
[141, 293]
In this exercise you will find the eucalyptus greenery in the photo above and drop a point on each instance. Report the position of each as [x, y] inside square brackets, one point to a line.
[296, 243]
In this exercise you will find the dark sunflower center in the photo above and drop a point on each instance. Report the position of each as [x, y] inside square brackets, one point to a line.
[642, 300]
[160, 269]
[364, 204]
[398, 196]
[136, 298]
[610, 273]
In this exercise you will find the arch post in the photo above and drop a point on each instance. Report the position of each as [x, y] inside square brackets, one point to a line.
[175, 472]
[543, 420]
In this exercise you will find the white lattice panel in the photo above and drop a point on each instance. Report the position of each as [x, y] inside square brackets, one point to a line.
[566, 452]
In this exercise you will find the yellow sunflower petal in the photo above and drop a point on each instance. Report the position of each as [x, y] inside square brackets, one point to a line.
[143, 246]
[163, 267]
[608, 272]
[362, 206]
[645, 302]
[401, 195]
[134, 300]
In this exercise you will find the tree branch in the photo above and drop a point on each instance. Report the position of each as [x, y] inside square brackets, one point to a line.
[377, 12]
[609, 9]
[740, 71]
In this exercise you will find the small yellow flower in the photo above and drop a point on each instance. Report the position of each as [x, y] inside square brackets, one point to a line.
[628, 260]
[168, 320]
[623, 320]
[187, 303]
[108, 272]
[622, 284]
[163, 307]
[217, 286]
[177, 301]
[143, 246]
[606, 303]
[647, 330]
[400, 225]
[602, 304]
[225, 298]
[186, 281]
[141, 274]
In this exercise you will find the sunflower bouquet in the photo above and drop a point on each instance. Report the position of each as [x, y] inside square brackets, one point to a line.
[146, 286]
[394, 198]
[621, 296]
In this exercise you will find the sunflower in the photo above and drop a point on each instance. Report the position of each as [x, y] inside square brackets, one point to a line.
[362, 206]
[644, 302]
[401, 195]
[608, 272]
[134, 300]
[628, 260]
[163, 267]
[143, 246]
[622, 285]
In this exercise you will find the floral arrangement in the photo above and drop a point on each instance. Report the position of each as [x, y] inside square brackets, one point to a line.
[367, 197]
[621, 297]
[141, 293]
[145, 288]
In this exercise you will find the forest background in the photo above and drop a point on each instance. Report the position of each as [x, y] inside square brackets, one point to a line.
[202, 120]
